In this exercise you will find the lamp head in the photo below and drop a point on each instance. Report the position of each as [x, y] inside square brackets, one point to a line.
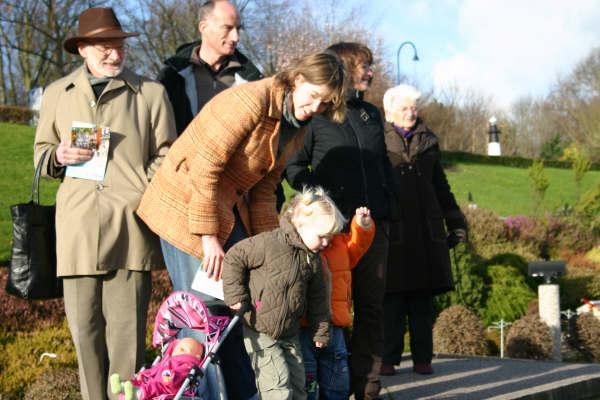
[546, 269]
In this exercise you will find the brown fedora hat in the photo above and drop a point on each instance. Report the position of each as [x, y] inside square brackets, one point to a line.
[96, 23]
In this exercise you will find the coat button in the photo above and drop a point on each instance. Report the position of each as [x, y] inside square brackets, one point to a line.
[92, 104]
[239, 192]
[99, 186]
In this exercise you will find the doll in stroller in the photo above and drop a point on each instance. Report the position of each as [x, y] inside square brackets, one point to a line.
[185, 366]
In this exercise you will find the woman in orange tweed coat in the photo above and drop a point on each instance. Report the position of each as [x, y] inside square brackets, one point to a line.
[217, 184]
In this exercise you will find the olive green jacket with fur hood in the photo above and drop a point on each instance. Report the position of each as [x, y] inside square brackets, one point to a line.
[281, 280]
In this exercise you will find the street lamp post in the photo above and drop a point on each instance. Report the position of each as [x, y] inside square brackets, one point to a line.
[415, 57]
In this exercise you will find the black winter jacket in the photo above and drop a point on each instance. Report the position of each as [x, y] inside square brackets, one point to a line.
[349, 160]
[171, 77]
[419, 260]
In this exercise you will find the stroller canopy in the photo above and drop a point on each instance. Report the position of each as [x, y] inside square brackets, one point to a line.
[185, 310]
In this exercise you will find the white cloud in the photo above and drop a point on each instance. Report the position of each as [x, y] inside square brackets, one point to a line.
[514, 48]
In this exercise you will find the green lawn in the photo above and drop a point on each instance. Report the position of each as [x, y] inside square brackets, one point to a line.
[506, 190]
[16, 164]
[503, 189]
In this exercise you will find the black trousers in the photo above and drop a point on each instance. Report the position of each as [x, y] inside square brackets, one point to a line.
[418, 309]
[368, 289]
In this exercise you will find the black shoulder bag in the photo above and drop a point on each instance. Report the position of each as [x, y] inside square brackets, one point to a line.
[32, 272]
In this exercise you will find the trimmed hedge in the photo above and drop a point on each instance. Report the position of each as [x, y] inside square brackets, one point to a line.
[15, 114]
[453, 157]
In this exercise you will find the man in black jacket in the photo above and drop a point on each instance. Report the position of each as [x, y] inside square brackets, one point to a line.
[201, 69]
[350, 161]
[194, 75]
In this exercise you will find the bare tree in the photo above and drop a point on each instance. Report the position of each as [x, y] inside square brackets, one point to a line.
[459, 118]
[31, 39]
[576, 104]
[164, 25]
[280, 31]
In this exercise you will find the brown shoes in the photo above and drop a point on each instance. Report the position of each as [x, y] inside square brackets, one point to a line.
[422, 368]
[387, 370]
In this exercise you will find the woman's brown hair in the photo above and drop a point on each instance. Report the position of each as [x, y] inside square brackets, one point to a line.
[323, 68]
[352, 55]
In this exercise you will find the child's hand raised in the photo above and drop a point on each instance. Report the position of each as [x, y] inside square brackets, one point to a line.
[363, 217]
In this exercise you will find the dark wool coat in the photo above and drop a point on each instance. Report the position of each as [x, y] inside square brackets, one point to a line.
[349, 160]
[281, 280]
[418, 260]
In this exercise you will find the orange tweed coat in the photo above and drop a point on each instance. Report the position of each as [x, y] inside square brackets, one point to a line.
[226, 156]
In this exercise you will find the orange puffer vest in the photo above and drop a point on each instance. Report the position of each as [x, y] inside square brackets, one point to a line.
[339, 259]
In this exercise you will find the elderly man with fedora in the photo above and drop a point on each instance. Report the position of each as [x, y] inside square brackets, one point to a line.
[104, 251]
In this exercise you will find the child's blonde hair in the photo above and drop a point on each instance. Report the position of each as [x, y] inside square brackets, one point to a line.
[314, 201]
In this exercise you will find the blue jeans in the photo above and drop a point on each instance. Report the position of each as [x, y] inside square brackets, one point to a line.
[327, 374]
[235, 363]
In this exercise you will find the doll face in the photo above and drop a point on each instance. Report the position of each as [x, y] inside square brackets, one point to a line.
[190, 347]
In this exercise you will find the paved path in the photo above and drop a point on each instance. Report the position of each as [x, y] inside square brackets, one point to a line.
[493, 378]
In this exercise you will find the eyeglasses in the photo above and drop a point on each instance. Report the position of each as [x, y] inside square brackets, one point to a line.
[106, 49]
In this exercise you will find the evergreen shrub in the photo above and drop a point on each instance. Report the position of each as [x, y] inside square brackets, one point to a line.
[20, 353]
[27, 315]
[530, 338]
[458, 330]
[15, 114]
[56, 384]
[470, 289]
[508, 294]
[578, 283]
[587, 336]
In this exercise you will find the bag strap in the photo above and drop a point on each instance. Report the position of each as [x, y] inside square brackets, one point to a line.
[35, 186]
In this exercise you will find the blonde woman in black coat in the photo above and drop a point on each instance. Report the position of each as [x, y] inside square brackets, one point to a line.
[418, 261]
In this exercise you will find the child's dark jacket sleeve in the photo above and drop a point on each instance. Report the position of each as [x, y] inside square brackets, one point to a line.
[242, 257]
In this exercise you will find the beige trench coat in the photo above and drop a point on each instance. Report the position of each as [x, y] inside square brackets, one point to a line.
[97, 229]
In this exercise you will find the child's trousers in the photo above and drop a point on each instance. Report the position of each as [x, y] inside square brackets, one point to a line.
[327, 374]
[277, 365]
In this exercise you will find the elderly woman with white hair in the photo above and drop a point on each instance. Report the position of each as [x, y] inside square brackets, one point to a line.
[418, 261]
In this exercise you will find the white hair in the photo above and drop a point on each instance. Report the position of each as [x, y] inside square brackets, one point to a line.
[396, 95]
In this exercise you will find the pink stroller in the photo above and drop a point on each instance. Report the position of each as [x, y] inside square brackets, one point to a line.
[189, 376]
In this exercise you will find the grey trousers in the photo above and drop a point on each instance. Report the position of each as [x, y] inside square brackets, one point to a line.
[107, 318]
[277, 365]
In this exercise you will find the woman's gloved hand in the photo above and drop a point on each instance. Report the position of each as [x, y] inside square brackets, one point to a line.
[455, 237]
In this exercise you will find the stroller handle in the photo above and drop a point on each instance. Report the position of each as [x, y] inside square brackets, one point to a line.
[194, 372]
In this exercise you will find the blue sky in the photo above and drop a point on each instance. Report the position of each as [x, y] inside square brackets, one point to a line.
[502, 49]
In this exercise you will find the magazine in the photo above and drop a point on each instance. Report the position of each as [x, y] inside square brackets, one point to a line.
[97, 138]
[207, 285]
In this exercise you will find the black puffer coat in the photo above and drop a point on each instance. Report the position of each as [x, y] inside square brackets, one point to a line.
[419, 260]
[349, 160]
[281, 280]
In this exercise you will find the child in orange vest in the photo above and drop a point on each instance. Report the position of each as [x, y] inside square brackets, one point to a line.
[327, 368]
